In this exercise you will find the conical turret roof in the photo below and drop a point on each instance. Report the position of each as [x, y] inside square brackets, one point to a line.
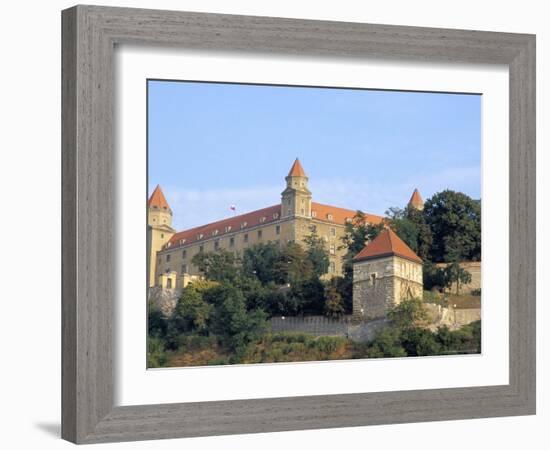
[416, 200]
[297, 170]
[158, 200]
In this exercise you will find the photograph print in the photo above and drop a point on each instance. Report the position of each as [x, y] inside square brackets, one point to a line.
[294, 223]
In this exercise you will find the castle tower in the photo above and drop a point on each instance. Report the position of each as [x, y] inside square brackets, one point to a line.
[159, 229]
[296, 198]
[385, 273]
[416, 201]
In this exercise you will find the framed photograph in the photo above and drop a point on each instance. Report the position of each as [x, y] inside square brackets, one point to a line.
[277, 224]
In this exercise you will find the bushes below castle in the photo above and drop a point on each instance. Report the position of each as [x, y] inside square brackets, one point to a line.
[237, 338]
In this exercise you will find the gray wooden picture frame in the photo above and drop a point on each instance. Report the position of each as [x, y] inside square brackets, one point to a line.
[89, 36]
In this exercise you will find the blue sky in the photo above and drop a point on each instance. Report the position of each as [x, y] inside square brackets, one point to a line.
[213, 145]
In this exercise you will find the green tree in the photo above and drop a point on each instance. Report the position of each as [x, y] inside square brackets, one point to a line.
[455, 274]
[216, 266]
[156, 322]
[191, 312]
[260, 260]
[334, 303]
[316, 252]
[408, 314]
[433, 276]
[293, 265]
[455, 223]
[232, 322]
[411, 226]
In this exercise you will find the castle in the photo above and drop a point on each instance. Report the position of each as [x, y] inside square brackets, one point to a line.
[386, 271]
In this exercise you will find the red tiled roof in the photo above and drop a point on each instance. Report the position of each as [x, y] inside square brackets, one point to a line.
[260, 217]
[157, 199]
[387, 243]
[416, 199]
[296, 170]
[230, 225]
[339, 215]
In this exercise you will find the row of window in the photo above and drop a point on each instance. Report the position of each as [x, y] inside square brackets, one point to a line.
[231, 242]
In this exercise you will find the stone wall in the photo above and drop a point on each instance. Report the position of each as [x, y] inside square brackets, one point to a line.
[474, 267]
[453, 318]
[164, 299]
[345, 326]
[380, 284]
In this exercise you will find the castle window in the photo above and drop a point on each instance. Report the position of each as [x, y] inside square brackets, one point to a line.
[332, 249]
[332, 267]
[259, 234]
[201, 248]
[278, 229]
[169, 283]
[154, 220]
[245, 237]
[168, 258]
[217, 244]
[289, 212]
[288, 201]
[313, 228]
[333, 231]
[373, 279]
[232, 242]
[184, 254]
[184, 268]
[162, 235]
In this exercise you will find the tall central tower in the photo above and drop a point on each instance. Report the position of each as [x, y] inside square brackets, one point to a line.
[296, 198]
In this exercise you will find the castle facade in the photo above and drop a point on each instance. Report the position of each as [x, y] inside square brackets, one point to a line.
[170, 252]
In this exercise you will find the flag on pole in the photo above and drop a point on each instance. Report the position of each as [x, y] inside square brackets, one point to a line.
[233, 208]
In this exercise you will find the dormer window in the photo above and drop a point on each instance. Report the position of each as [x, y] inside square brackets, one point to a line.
[244, 224]
[262, 219]
[276, 215]
[329, 216]
[228, 229]
[182, 241]
[169, 244]
[348, 220]
[215, 233]
[313, 213]
[200, 236]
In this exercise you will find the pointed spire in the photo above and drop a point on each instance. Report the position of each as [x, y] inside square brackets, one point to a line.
[416, 200]
[158, 200]
[387, 243]
[297, 170]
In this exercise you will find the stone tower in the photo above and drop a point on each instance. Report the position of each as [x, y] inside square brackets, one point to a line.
[385, 273]
[416, 201]
[159, 229]
[296, 198]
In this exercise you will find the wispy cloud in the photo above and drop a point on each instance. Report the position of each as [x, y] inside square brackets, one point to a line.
[194, 207]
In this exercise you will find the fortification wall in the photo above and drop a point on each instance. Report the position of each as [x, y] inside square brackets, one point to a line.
[345, 326]
[474, 267]
[453, 318]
